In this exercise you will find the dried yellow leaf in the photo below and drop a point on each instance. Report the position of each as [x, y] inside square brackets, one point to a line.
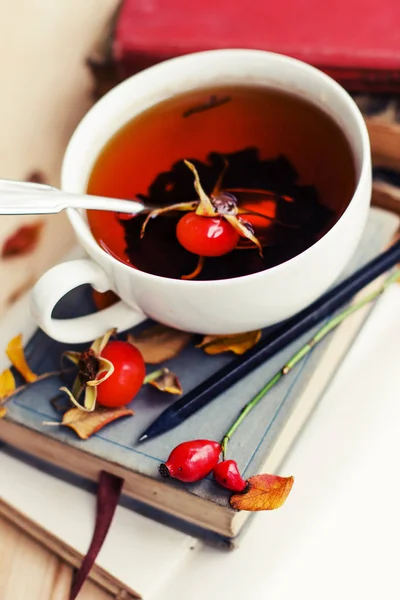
[15, 353]
[167, 381]
[7, 384]
[159, 343]
[3, 411]
[86, 424]
[238, 343]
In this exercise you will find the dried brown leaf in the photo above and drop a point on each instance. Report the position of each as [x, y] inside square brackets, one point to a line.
[23, 241]
[36, 177]
[7, 384]
[16, 354]
[166, 381]
[238, 343]
[86, 424]
[159, 343]
[264, 492]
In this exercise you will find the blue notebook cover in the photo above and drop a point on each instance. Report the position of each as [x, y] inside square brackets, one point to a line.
[262, 441]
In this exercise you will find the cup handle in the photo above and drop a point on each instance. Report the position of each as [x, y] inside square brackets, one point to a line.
[63, 278]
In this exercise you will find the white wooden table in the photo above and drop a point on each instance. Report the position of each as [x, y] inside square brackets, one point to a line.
[29, 571]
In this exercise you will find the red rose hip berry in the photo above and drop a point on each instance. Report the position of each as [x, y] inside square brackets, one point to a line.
[227, 474]
[206, 236]
[191, 461]
[127, 378]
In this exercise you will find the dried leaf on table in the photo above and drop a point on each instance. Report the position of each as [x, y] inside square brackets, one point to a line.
[3, 411]
[7, 384]
[238, 343]
[86, 424]
[159, 343]
[165, 381]
[264, 492]
[23, 241]
[16, 354]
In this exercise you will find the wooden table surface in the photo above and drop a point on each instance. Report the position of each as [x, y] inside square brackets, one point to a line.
[46, 91]
[28, 571]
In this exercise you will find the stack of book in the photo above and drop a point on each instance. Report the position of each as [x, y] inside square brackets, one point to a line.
[198, 510]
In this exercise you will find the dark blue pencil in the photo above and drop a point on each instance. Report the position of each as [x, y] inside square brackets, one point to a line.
[277, 339]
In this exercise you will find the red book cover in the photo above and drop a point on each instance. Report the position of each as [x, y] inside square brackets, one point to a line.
[356, 42]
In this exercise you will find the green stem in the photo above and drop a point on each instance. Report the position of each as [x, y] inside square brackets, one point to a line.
[296, 358]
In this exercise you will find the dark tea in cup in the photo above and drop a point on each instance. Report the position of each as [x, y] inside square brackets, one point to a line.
[279, 156]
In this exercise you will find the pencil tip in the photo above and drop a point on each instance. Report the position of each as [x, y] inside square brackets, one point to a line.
[143, 437]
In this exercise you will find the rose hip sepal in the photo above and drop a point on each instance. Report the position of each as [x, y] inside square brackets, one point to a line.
[227, 474]
[93, 370]
[212, 225]
[192, 460]
[110, 373]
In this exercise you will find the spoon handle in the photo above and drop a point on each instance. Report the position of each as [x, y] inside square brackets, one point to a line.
[26, 198]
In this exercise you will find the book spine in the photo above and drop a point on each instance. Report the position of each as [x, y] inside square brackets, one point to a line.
[122, 61]
[209, 537]
[119, 58]
[371, 81]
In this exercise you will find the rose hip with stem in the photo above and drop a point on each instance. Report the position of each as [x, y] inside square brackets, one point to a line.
[227, 474]
[333, 322]
[128, 375]
[206, 236]
[192, 460]
[212, 225]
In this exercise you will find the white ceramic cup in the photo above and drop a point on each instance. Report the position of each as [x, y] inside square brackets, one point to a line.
[223, 306]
